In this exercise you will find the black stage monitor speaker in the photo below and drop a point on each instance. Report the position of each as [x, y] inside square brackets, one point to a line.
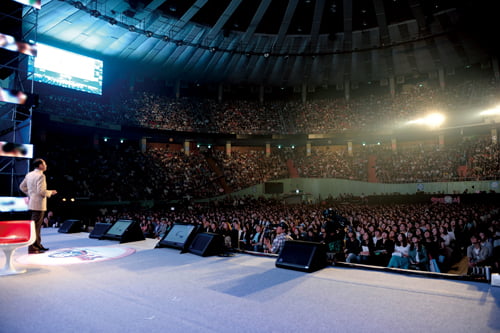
[207, 244]
[179, 237]
[302, 256]
[124, 231]
[70, 226]
[100, 230]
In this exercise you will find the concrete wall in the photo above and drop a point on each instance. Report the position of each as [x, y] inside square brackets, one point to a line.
[322, 188]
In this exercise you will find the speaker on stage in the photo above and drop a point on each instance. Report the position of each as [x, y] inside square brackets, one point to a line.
[70, 226]
[124, 231]
[100, 230]
[179, 237]
[302, 256]
[207, 244]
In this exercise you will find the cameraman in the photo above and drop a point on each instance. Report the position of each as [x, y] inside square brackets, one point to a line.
[279, 240]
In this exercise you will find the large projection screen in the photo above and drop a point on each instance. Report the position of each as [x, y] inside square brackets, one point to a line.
[67, 69]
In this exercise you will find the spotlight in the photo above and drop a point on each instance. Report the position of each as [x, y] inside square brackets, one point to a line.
[266, 55]
[149, 34]
[131, 28]
[95, 13]
[213, 49]
[166, 38]
[112, 21]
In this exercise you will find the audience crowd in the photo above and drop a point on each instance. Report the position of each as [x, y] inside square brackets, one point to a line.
[121, 172]
[366, 112]
[428, 237]
[416, 236]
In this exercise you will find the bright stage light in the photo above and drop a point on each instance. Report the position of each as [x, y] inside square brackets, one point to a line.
[491, 112]
[432, 120]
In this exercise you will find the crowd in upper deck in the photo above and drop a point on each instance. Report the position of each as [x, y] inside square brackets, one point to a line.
[364, 112]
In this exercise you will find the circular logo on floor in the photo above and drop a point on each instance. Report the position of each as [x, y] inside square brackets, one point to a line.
[76, 255]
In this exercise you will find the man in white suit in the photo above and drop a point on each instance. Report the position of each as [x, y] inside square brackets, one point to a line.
[34, 185]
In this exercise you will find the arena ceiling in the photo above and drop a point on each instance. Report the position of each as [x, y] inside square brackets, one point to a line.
[285, 43]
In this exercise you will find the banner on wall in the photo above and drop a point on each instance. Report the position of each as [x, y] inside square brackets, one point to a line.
[448, 199]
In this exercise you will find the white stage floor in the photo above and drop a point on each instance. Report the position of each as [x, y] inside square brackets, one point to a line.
[162, 290]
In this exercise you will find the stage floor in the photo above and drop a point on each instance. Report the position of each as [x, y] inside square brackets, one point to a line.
[161, 290]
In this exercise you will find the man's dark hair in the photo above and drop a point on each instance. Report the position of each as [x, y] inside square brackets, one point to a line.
[37, 162]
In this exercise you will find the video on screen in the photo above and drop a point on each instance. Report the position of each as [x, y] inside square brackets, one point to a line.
[66, 69]
[119, 227]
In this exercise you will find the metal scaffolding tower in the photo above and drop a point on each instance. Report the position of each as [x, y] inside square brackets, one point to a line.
[18, 21]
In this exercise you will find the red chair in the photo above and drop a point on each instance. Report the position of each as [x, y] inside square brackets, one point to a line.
[13, 235]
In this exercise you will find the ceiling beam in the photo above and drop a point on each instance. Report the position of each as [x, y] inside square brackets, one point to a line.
[285, 24]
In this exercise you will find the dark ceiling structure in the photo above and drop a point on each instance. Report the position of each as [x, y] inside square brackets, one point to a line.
[277, 43]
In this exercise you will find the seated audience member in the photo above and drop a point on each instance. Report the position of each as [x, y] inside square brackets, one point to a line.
[235, 233]
[367, 249]
[445, 256]
[399, 258]
[296, 234]
[244, 238]
[161, 229]
[257, 239]
[45, 223]
[280, 239]
[148, 229]
[225, 230]
[352, 248]
[448, 238]
[487, 242]
[476, 254]
[431, 245]
[377, 235]
[311, 236]
[383, 249]
[214, 228]
[417, 255]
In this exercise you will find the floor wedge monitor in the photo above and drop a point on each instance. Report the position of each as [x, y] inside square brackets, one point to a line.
[124, 231]
[207, 244]
[100, 230]
[302, 256]
[70, 226]
[179, 237]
